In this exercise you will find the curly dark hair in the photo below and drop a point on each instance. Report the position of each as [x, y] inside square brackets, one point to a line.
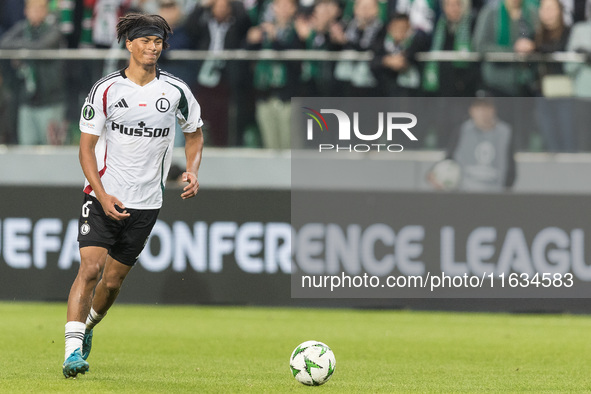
[135, 20]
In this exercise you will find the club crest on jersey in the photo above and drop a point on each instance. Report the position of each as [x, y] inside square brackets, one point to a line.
[141, 131]
[162, 105]
[85, 228]
[88, 112]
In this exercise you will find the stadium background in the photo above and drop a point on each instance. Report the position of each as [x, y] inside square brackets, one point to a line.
[224, 254]
[242, 187]
[199, 253]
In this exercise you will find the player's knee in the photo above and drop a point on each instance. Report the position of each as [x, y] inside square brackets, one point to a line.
[112, 282]
[89, 270]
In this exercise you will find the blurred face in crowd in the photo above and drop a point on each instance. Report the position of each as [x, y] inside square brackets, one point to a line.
[484, 115]
[36, 11]
[398, 29]
[284, 11]
[365, 11]
[513, 4]
[550, 14]
[454, 10]
[325, 13]
[221, 10]
[171, 12]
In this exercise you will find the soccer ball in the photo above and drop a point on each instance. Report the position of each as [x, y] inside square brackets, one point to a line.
[448, 174]
[312, 363]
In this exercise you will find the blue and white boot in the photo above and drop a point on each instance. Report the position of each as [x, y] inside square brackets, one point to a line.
[75, 364]
[86, 344]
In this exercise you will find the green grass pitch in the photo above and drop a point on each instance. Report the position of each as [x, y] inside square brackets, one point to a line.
[246, 349]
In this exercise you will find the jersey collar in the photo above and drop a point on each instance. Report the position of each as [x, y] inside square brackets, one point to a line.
[122, 72]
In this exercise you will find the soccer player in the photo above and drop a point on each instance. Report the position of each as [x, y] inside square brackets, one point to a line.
[128, 125]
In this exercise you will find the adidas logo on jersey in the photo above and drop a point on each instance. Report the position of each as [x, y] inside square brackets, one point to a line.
[121, 104]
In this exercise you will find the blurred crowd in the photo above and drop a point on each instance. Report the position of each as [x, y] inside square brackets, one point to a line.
[247, 103]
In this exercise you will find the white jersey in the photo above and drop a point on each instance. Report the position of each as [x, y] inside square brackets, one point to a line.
[136, 126]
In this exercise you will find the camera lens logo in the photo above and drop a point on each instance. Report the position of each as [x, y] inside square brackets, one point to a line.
[390, 122]
[316, 116]
[88, 112]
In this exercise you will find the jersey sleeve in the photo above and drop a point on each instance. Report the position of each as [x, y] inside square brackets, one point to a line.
[92, 118]
[188, 112]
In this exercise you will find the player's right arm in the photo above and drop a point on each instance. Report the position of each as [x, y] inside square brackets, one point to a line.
[89, 167]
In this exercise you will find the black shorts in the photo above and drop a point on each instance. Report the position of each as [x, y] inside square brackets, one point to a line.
[124, 239]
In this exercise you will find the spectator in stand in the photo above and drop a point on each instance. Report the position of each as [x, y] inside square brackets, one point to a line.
[317, 76]
[11, 12]
[453, 32]
[172, 12]
[554, 111]
[76, 23]
[394, 62]
[476, 6]
[384, 7]
[7, 118]
[100, 27]
[507, 26]
[360, 34]
[483, 147]
[220, 25]
[575, 11]
[259, 11]
[581, 13]
[421, 13]
[106, 15]
[579, 41]
[276, 81]
[153, 6]
[41, 111]
[552, 32]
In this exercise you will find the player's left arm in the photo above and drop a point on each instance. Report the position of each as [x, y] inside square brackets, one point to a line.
[193, 150]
